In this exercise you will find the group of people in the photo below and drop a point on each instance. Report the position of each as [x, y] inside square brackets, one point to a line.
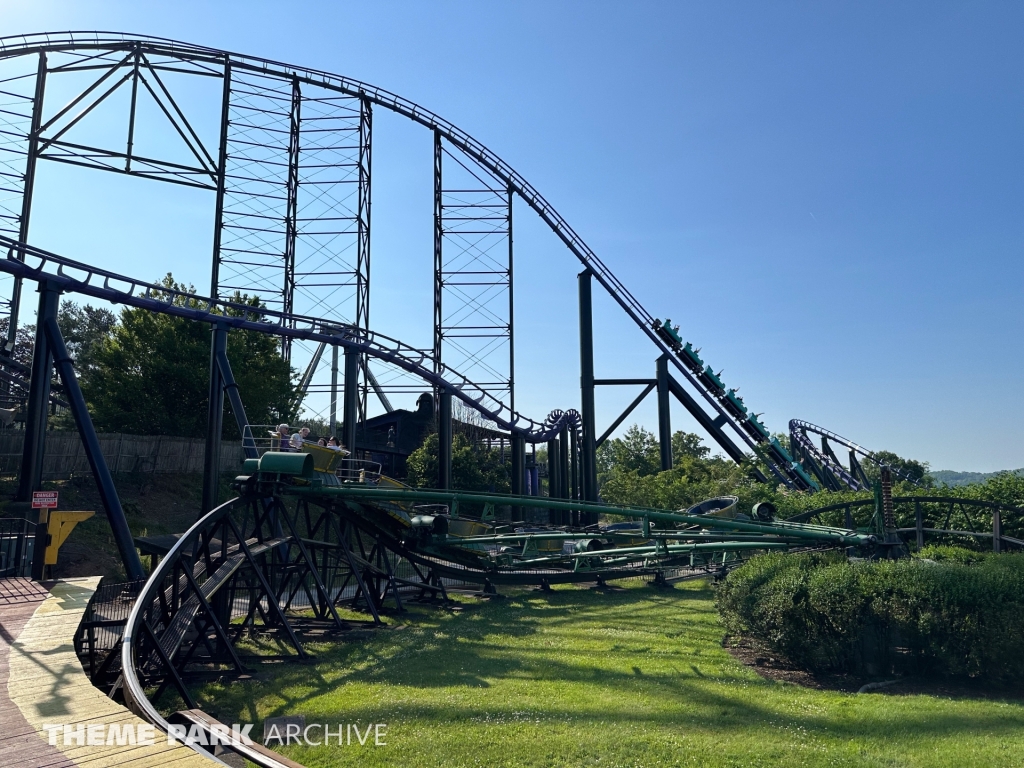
[295, 440]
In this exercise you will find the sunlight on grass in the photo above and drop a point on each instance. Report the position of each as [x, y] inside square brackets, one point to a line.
[636, 677]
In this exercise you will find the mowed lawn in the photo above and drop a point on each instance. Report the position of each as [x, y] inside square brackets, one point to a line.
[634, 677]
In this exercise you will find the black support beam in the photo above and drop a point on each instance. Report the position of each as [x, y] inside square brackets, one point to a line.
[98, 465]
[214, 420]
[664, 414]
[444, 440]
[589, 443]
[714, 429]
[350, 403]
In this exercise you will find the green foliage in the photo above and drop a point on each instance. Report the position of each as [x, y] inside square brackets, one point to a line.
[942, 553]
[474, 468]
[689, 481]
[952, 478]
[150, 374]
[915, 470]
[629, 474]
[24, 343]
[688, 444]
[637, 452]
[84, 330]
[944, 617]
[629, 471]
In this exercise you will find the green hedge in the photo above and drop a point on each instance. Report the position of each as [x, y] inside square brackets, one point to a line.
[947, 611]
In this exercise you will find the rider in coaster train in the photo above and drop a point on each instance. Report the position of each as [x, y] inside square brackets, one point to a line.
[297, 439]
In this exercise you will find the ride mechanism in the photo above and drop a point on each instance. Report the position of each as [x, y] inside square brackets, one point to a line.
[289, 173]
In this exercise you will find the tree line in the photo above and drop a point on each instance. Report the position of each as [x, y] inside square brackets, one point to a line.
[147, 373]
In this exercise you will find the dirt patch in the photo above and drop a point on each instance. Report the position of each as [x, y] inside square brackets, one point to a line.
[771, 666]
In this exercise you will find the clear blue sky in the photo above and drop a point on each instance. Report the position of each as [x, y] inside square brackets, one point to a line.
[827, 197]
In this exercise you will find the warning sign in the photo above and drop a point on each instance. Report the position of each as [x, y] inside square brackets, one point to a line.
[44, 499]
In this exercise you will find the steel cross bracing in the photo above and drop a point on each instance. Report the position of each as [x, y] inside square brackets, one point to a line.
[473, 300]
[193, 59]
[30, 263]
[295, 217]
[292, 173]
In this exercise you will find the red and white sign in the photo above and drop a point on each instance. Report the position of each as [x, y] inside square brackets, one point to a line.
[44, 499]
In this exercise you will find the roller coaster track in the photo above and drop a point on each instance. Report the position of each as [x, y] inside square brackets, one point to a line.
[293, 544]
[826, 465]
[755, 440]
[30, 263]
[289, 535]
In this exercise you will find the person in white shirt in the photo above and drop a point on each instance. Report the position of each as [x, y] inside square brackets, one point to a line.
[298, 438]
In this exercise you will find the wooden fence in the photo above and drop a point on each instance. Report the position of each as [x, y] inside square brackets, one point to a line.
[64, 454]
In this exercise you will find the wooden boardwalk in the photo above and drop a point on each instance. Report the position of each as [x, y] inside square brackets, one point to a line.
[42, 682]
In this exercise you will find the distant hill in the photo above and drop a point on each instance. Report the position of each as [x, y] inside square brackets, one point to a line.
[953, 478]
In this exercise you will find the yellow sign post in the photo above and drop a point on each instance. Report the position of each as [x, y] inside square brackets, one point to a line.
[58, 528]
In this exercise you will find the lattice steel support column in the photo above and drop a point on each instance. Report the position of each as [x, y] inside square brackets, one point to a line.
[218, 216]
[26, 193]
[438, 250]
[363, 215]
[292, 207]
[363, 232]
[473, 254]
[511, 311]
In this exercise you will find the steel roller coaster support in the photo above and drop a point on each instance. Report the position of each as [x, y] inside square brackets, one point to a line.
[291, 177]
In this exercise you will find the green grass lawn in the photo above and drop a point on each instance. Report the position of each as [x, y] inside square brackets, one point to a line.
[636, 677]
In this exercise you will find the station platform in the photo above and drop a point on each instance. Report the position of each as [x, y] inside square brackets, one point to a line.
[42, 683]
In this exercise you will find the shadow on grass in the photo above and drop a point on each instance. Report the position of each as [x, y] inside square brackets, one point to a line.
[663, 648]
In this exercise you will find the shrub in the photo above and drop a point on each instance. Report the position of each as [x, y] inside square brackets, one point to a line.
[950, 612]
[943, 553]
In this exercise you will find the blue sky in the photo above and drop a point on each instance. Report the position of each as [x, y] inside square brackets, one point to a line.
[827, 198]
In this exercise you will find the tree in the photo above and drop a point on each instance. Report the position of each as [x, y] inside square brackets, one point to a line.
[689, 444]
[904, 468]
[150, 375]
[474, 468]
[630, 471]
[639, 451]
[636, 451]
[84, 330]
[24, 344]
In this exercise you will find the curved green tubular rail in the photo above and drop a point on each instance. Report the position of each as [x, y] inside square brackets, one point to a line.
[802, 531]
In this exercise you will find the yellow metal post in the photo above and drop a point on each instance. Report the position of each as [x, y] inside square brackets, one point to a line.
[58, 528]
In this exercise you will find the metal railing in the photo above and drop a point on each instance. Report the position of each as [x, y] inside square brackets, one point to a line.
[98, 638]
[338, 461]
[17, 542]
[945, 518]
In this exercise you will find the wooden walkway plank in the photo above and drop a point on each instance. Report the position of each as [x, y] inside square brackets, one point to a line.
[45, 684]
